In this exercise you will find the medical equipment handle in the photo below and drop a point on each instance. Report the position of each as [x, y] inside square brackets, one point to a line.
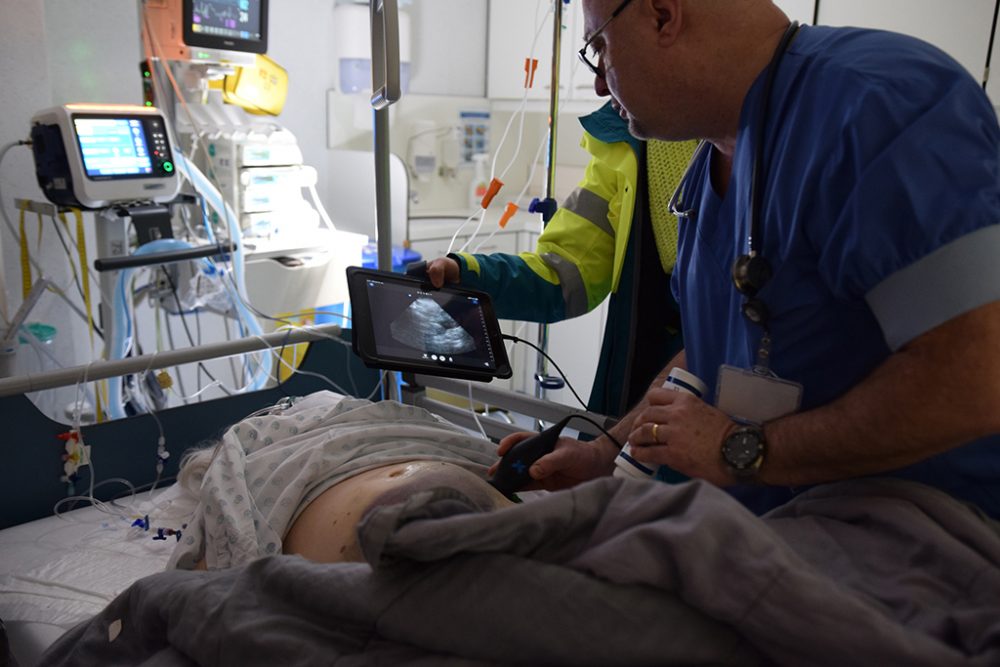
[166, 257]
[385, 53]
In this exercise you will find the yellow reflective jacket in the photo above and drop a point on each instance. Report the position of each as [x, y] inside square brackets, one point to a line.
[582, 255]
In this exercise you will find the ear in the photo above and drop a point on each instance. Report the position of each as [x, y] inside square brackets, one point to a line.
[668, 15]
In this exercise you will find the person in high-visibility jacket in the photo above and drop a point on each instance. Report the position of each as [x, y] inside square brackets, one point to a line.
[614, 235]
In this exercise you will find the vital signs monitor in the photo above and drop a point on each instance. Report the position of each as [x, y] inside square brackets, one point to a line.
[94, 156]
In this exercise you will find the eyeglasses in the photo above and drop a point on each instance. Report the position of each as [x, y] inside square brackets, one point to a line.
[590, 56]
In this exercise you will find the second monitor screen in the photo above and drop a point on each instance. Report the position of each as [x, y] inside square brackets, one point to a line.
[235, 19]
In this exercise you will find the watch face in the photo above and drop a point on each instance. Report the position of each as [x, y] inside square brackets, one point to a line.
[742, 449]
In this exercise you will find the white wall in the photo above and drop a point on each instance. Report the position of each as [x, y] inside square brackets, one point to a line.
[25, 74]
[299, 42]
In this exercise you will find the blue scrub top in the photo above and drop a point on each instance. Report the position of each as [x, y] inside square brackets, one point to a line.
[880, 219]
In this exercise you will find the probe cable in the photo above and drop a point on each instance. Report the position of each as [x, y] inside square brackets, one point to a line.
[551, 361]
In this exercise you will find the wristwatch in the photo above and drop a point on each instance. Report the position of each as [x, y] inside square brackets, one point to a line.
[743, 452]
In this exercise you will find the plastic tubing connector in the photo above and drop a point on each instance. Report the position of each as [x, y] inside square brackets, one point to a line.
[508, 212]
[530, 65]
[491, 192]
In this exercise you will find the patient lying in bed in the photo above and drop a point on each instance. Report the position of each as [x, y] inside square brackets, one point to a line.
[298, 478]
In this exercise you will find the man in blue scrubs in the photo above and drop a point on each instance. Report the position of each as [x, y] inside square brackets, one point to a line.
[879, 202]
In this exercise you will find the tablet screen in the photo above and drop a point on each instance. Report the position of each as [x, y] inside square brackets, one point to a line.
[401, 323]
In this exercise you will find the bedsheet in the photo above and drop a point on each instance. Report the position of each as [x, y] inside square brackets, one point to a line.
[612, 572]
[62, 570]
[58, 571]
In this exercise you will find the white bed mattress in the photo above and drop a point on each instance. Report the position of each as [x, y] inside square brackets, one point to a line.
[59, 571]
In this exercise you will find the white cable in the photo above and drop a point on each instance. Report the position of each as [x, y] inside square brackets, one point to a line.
[482, 214]
[321, 208]
[519, 114]
[42, 349]
[472, 409]
[475, 232]
[10, 225]
[3, 209]
[298, 371]
[520, 196]
[210, 385]
[13, 231]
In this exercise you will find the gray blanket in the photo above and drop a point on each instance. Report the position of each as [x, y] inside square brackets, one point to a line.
[613, 572]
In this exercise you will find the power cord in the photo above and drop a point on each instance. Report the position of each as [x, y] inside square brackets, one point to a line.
[515, 339]
[600, 428]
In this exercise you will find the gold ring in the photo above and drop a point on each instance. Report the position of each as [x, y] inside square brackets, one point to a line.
[655, 426]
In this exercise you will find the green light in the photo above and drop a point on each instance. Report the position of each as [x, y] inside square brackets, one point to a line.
[168, 167]
[148, 103]
[146, 74]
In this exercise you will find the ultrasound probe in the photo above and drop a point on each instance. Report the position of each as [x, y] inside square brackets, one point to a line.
[512, 473]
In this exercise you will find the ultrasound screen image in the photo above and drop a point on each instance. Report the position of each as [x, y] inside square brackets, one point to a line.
[430, 326]
[427, 327]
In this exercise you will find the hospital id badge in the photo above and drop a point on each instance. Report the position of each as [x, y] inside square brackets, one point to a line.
[754, 397]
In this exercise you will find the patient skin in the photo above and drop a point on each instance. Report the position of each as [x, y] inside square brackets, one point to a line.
[326, 530]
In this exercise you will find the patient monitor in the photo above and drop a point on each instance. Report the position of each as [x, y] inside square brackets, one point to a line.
[93, 156]
[208, 30]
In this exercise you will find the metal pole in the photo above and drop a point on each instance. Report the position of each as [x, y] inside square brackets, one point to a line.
[101, 370]
[542, 368]
[385, 91]
[383, 203]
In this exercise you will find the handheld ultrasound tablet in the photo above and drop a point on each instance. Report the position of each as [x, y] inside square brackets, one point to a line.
[404, 324]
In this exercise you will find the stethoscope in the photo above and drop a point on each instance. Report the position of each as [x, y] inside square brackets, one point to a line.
[750, 271]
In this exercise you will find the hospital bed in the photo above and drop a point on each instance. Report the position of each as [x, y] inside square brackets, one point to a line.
[550, 580]
[58, 571]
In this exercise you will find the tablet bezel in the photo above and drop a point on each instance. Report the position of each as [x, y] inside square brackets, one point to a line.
[363, 337]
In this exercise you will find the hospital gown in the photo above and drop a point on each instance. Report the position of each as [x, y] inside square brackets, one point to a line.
[268, 468]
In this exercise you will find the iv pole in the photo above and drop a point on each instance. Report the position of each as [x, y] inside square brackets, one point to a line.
[543, 380]
[385, 91]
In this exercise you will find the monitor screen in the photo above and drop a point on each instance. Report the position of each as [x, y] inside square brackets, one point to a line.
[235, 25]
[113, 147]
[403, 324]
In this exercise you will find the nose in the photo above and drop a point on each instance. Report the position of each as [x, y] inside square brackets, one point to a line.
[601, 86]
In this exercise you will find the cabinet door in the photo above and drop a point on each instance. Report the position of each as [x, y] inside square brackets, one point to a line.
[435, 70]
[798, 10]
[961, 29]
[513, 27]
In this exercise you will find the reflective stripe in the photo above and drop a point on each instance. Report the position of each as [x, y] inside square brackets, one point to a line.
[573, 289]
[591, 207]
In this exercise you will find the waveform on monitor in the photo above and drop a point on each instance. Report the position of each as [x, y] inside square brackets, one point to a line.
[217, 12]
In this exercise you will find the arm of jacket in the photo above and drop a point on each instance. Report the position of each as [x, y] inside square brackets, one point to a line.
[571, 270]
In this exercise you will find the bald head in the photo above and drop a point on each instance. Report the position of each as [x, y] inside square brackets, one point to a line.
[679, 69]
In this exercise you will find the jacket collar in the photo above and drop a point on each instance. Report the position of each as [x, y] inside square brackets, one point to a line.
[605, 124]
